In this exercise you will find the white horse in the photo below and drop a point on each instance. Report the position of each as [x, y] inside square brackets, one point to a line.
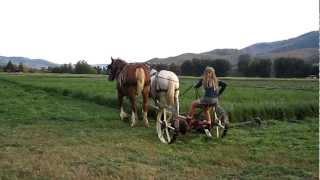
[164, 89]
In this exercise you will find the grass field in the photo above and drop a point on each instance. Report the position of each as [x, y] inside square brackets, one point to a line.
[67, 127]
[243, 99]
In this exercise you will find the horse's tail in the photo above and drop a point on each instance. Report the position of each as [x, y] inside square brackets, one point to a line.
[140, 75]
[171, 92]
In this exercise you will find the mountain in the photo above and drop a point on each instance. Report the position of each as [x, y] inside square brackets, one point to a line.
[305, 41]
[305, 47]
[230, 54]
[33, 63]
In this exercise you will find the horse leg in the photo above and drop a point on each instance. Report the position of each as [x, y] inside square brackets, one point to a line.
[122, 113]
[176, 98]
[207, 114]
[195, 104]
[145, 94]
[133, 109]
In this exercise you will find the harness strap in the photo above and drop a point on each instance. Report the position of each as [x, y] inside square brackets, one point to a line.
[164, 90]
[157, 83]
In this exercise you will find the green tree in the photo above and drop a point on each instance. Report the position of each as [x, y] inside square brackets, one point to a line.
[64, 68]
[10, 67]
[174, 68]
[221, 66]
[82, 67]
[198, 66]
[56, 69]
[291, 67]
[315, 70]
[69, 68]
[159, 67]
[243, 64]
[187, 68]
[259, 68]
[21, 67]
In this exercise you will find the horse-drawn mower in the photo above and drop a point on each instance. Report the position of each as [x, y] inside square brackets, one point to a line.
[170, 125]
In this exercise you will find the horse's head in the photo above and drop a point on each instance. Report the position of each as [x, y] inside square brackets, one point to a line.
[115, 68]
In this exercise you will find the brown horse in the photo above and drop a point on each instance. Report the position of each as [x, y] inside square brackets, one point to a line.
[133, 79]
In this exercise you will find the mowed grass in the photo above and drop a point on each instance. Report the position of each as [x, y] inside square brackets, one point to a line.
[48, 135]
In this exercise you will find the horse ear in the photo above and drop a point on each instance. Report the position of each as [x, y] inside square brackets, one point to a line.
[112, 59]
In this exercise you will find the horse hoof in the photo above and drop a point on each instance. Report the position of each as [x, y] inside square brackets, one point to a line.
[123, 116]
[146, 125]
[133, 124]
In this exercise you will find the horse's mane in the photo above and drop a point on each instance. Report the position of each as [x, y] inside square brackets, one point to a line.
[120, 62]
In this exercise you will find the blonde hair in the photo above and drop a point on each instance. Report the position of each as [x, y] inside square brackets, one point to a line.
[210, 80]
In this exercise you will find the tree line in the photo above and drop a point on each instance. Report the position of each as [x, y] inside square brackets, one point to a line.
[10, 67]
[81, 67]
[195, 67]
[284, 67]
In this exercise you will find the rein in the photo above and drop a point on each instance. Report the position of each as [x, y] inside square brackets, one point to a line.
[196, 91]
[185, 91]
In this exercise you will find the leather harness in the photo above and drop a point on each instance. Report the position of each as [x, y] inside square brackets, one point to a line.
[158, 89]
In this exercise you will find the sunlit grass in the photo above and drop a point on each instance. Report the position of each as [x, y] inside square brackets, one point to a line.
[48, 135]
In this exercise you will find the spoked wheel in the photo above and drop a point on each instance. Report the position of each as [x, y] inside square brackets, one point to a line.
[165, 128]
[221, 123]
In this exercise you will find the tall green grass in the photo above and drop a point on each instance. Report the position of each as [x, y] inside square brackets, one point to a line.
[264, 98]
[243, 99]
[83, 87]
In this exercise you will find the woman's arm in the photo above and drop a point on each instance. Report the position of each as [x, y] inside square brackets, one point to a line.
[199, 84]
[222, 86]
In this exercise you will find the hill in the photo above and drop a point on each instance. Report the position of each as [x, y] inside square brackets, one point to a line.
[33, 63]
[229, 54]
[305, 41]
[305, 47]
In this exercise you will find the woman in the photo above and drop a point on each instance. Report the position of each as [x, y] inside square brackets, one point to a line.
[213, 88]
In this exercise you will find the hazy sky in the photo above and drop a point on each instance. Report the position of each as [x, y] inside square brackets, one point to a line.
[65, 31]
